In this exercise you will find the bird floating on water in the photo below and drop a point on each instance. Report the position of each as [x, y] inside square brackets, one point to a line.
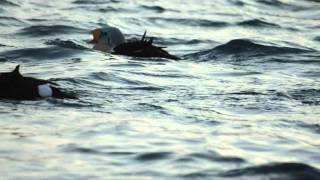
[14, 86]
[110, 39]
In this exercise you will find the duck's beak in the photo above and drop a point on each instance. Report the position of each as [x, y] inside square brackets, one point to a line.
[96, 36]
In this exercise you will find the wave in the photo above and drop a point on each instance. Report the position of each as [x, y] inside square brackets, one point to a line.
[7, 3]
[302, 59]
[143, 157]
[3, 59]
[153, 156]
[245, 48]
[189, 22]
[165, 75]
[276, 3]
[115, 78]
[312, 74]
[38, 53]
[277, 171]
[212, 156]
[71, 148]
[157, 9]
[94, 2]
[66, 44]
[280, 4]
[145, 88]
[273, 171]
[257, 23]
[311, 127]
[10, 21]
[47, 30]
[306, 96]
[102, 9]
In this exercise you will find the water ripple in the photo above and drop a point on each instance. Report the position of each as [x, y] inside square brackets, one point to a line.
[291, 171]
[306, 96]
[153, 156]
[158, 9]
[257, 23]
[65, 44]
[10, 21]
[47, 30]
[189, 22]
[243, 48]
[8, 3]
[38, 53]
[243, 103]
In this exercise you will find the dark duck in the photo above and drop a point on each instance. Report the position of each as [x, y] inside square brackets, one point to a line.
[110, 39]
[14, 86]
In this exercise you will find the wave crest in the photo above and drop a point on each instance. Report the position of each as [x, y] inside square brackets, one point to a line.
[245, 48]
[46, 30]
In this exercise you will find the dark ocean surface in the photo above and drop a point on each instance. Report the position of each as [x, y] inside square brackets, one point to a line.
[243, 103]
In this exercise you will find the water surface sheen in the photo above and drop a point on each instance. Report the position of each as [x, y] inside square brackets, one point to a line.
[242, 103]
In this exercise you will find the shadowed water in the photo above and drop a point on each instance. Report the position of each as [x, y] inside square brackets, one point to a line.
[242, 103]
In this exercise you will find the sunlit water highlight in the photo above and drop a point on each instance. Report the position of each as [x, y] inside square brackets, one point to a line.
[243, 103]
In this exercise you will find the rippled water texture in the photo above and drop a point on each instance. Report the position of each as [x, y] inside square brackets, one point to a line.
[242, 103]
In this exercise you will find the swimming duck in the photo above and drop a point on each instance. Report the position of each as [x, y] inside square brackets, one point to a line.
[110, 39]
[17, 87]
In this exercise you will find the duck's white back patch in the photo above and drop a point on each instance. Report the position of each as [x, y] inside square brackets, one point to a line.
[44, 90]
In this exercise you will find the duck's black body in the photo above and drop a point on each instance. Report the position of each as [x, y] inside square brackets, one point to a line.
[143, 48]
[14, 86]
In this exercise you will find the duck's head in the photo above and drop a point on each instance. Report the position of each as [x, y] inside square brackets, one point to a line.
[109, 36]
